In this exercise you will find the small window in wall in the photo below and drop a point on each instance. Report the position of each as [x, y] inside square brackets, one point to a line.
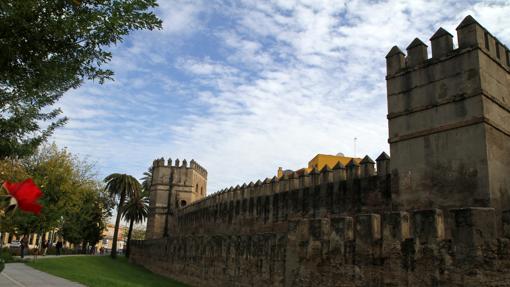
[497, 50]
[202, 190]
[196, 188]
[183, 203]
[486, 38]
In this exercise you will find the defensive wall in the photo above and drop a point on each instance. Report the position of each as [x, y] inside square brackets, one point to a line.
[435, 214]
[335, 227]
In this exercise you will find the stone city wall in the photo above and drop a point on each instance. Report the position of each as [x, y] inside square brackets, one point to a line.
[265, 206]
[437, 216]
[367, 249]
[330, 228]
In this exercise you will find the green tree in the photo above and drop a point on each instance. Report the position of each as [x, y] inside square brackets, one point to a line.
[121, 187]
[73, 199]
[138, 233]
[85, 223]
[135, 211]
[147, 179]
[49, 47]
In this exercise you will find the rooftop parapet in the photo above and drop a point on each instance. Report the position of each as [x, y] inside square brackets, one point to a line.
[339, 172]
[367, 167]
[192, 164]
[442, 43]
[383, 164]
[158, 162]
[353, 170]
[416, 53]
[197, 167]
[395, 60]
[470, 34]
[297, 181]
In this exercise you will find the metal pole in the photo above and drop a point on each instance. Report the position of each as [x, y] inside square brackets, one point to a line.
[355, 139]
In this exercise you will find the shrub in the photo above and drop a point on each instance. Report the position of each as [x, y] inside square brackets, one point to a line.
[6, 255]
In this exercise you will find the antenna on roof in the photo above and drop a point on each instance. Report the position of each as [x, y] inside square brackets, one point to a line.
[355, 139]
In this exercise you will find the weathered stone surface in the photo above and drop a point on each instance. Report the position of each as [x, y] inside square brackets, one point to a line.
[436, 214]
[448, 122]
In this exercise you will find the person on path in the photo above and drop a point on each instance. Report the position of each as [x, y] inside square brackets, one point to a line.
[23, 245]
[58, 247]
[44, 247]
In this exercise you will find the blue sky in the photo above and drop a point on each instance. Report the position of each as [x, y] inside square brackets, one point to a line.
[244, 87]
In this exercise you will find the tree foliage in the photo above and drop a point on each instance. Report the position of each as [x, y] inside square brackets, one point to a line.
[135, 211]
[74, 202]
[85, 222]
[122, 187]
[147, 179]
[49, 47]
[138, 233]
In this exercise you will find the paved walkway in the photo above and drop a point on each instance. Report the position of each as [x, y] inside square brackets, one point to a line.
[31, 257]
[21, 275]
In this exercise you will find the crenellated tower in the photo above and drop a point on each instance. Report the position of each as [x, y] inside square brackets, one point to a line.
[436, 214]
[173, 186]
[449, 120]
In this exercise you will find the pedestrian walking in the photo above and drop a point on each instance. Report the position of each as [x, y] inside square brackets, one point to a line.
[23, 245]
[44, 247]
[58, 247]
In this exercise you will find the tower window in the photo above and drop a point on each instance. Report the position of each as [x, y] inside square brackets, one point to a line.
[202, 190]
[486, 38]
[183, 203]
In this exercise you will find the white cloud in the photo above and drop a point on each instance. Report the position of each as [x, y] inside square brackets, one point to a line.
[244, 88]
[205, 67]
[180, 17]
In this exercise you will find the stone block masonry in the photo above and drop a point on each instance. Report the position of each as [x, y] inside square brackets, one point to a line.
[449, 120]
[437, 213]
[362, 250]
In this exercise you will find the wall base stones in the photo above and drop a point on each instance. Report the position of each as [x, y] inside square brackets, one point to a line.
[343, 251]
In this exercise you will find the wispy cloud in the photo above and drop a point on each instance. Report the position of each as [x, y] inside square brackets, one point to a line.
[244, 87]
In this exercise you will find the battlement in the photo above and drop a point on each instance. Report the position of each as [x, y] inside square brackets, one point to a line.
[198, 168]
[448, 119]
[341, 190]
[365, 169]
[436, 214]
[470, 34]
[178, 164]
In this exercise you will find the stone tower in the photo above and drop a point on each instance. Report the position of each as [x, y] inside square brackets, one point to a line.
[173, 187]
[449, 120]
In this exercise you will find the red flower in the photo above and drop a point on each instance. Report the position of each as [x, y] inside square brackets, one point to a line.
[26, 194]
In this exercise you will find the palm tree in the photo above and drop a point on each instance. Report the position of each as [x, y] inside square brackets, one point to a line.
[121, 186]
[147, 179]
[135, 210]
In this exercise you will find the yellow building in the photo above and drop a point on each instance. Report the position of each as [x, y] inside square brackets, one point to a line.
[107, 241]
[320, 161]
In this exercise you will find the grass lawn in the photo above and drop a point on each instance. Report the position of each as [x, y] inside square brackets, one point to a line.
[99, 271]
